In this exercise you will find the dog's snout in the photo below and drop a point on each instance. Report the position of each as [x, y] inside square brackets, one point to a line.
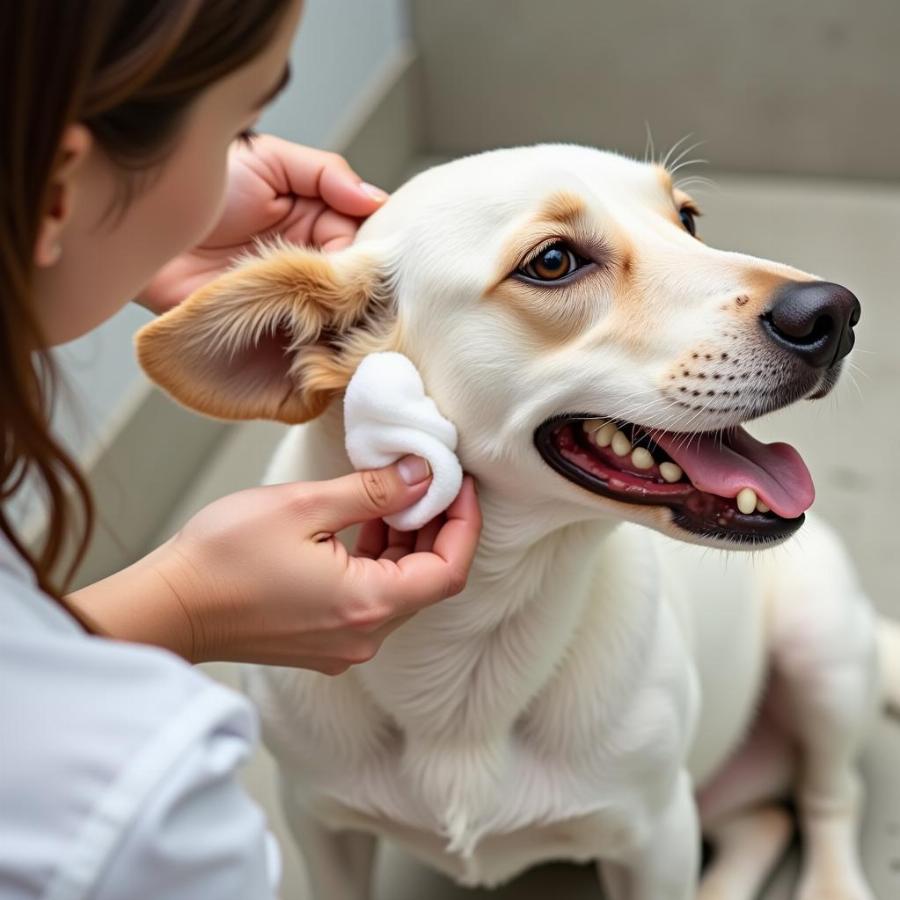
[814, 320]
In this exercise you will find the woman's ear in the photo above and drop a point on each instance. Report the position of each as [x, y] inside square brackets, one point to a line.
[74, 148]
[275, 338]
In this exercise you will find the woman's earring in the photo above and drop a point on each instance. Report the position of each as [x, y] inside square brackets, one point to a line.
[48, 254]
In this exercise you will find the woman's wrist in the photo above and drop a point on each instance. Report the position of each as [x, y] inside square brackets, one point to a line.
[143, 604]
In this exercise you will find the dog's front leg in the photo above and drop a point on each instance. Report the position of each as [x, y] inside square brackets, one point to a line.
[339, 864]
[666, 865]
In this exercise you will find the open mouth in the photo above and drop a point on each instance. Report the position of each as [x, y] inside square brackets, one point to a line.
[725, 485]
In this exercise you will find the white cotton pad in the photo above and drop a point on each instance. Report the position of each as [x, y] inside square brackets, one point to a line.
[388, 415]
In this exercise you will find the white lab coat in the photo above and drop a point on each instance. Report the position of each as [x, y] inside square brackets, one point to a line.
[117, 767]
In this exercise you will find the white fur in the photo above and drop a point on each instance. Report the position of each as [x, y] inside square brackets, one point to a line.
[593, 677]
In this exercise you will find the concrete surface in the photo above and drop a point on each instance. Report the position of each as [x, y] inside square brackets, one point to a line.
[846, 233]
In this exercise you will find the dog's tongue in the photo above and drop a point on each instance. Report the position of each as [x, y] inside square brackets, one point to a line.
[775, 471]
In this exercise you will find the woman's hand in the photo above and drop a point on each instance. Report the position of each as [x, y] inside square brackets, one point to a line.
[259, 576]
[275, 189]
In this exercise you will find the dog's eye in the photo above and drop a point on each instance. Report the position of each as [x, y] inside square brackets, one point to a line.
[552, 263]
[689, 220]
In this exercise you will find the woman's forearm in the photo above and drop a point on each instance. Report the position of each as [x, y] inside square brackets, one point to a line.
[139, 604]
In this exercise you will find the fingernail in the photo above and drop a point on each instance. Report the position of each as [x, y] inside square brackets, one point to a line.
[414, 469]
[376, 193]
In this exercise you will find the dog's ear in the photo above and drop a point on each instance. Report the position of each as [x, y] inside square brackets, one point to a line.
[275, 338]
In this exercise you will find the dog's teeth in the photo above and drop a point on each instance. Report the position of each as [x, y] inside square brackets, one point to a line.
[761, 507]
[592, 425]
[746, 501]
[603, 436]
[620, 444]
[642, 458]
[670, 472]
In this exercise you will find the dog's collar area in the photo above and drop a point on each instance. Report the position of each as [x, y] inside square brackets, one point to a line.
[726, 486]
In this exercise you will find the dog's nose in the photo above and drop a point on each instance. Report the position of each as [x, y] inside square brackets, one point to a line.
[814, 320]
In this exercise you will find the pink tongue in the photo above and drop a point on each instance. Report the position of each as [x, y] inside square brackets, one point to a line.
[775, 471]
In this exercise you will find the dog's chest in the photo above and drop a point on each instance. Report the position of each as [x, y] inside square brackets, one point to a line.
[538, 812]
[567, 720]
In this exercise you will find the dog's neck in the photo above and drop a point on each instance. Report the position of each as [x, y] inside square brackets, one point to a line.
[523, 545]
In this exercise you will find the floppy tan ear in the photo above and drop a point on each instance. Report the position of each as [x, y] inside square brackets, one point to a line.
[275, 338]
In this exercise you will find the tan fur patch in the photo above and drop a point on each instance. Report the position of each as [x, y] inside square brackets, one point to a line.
[760, 286]
[550, 321]
[559, 211]
[323, 372]
[683, 199]
[234, 349]
[631, 326]
[552, 315]
[564, 208]
[663, 176]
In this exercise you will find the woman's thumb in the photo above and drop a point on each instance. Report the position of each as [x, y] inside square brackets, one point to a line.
[371, 494]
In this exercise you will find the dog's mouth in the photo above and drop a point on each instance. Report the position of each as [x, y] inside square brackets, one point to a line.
[726, 485]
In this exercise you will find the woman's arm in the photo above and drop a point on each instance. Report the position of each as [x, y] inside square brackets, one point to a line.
[259, 576]
[138, 604]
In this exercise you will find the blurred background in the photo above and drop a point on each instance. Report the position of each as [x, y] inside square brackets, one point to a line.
[797, 108]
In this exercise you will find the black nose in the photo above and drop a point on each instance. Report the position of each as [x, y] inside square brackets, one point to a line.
[814, 320]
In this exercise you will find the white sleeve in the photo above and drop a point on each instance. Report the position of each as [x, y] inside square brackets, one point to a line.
[197, 836]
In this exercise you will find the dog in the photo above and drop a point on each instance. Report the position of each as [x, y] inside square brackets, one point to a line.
[605, 687]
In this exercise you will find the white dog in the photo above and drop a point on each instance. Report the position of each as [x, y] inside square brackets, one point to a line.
[595, 685]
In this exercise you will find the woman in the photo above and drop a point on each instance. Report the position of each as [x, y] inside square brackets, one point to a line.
[117, 760]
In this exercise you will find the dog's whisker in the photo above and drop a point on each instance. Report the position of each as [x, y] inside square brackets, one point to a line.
[854, 366]
[697, 181]
[688, 162]
[673, 162]
[664, 162]
[851, 376]
[650, 146]
[691, 183]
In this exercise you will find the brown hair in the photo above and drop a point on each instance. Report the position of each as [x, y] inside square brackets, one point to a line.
[128, 70]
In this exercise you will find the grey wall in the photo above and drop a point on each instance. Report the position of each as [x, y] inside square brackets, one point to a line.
[806, 86]
[343, 47]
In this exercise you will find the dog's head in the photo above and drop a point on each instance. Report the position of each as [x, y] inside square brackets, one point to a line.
[589, 348]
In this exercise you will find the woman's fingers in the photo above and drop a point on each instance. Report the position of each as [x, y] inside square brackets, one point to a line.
[372, 539]
[333, 231]
[318, 173]
[399, 544]
[426, 535]
[331, 506]
[457, 539]
[419, 579]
